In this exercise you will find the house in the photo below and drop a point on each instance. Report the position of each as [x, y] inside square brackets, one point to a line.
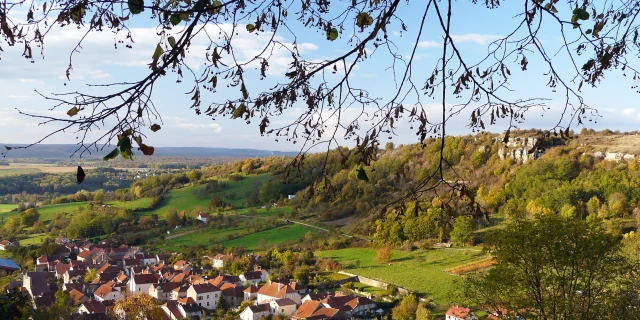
[251, 293]
[162, 258]
[284, 306]
[46, 263]
[182, 265]
[232, 294]
[255, 312]
[8, 265]
[276, 290]
[264, 274]
[219, 260]
[36, 283]
[108, 291]
[350, 304]
[251, 278]
[140, 283]
[149, 259]
[175, 310]
[460, 313]
[162, 291]
[5, 244]
[222, 279]
[76, 297]
[205, 295]
[204, 217]
[315, 310]
[62, 240]
[92, 307]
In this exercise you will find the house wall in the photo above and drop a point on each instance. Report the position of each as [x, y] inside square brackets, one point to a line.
[113, 295]
[207, 300]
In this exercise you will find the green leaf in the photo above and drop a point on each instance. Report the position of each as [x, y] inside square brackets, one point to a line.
[332, 34]
[158, 52]
[112, 155]
[251, 27]
[362, 175]
[125, 144]
[73, 111]
[588, 31]
[239, 111]
[363, 20]
[217, 5]
[172, 41]
[175, 19]
[136, 6]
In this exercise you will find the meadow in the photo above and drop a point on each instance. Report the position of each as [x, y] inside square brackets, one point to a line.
[7, 207]
[419, 271]
[185, 198]
[269, 238]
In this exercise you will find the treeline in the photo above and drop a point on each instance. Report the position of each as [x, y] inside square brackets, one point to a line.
[17, 188]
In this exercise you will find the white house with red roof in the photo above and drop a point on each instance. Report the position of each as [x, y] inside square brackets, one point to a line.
[460, 313]
[275, 290]
[204, 217]
[286, 307]
[205, 295]
[256, 312]
[5, 244]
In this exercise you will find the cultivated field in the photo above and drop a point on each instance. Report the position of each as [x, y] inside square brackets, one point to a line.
[26, 168]
[419, 271]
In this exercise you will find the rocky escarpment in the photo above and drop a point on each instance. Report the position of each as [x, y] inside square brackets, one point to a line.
[520, 149]
[615, 156]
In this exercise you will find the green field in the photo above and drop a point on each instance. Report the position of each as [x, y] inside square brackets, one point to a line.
[271, 237]
[186, 199]
[203, 237]
[7, 207]
[419, 271]
[34, 239]
[48, 212]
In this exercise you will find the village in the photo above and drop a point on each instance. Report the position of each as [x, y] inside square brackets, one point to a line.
[100, 275]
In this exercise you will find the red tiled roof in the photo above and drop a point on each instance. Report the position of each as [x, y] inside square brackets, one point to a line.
[144, 278]
[204, 288]
[458, 312]
[95, 306]
[285, 302]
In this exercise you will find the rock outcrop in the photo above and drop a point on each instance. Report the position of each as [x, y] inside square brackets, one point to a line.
[518, 149]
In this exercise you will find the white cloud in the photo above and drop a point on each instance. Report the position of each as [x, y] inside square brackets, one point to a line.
[474, 37]
[18, 96]
[199, 126]
[429, 44]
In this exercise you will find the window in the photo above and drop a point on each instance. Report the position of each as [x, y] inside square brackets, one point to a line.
[207, 303]
[199, 298]
[207, 297]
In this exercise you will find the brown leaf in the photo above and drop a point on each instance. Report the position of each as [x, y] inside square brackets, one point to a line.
[155, 127]
[146, 150]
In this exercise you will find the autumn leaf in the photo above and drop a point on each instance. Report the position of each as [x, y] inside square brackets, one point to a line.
[251, 27]
[172, 41]
[73, 111]
[155, 127]
[80, 175]
[146, 150]
[363, 20]
[239, 111]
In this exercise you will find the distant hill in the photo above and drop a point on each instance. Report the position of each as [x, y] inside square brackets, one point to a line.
[64, 151]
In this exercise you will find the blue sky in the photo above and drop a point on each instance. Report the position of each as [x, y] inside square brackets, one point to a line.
[474, 27]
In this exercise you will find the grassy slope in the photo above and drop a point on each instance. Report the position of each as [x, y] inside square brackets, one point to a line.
[420, 271]
[185, 198]
[48, 212]
[7, 207]
[10, 171]
[271, 237]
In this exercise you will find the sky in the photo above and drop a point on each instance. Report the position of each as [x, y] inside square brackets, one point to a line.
[99, 61]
